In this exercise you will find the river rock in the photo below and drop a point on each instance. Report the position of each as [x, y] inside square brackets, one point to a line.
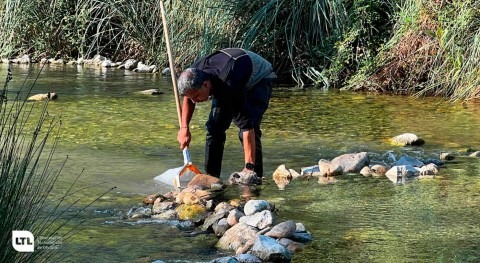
[428, 171]
[291, 245]
[300, 227]
[400, 174]
[194, 212]
[294, 174]
[25, 59]
[234, 216]
[351, 162]
[130, 64]
[150, 199]
[282, 176]
[220, 227]
[475, 154]
[142, 68]
[43, 96]
[98, 59]
[407, 139]
[205, 181]
[191, 196]
[408, 160]
[255, 206]
[159, 206]
[366, 171]
[248, 258]
[269, 250]
[328, 169]
[237, 236]
[284, 229]
[446, 156]
[152, 92]
[228, 259]
[302, 237]
[166, 215]
[260, 220]
[245, 178]
[310, 171]
[379, 170]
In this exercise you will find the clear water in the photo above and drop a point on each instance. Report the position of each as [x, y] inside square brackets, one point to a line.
[121, 139]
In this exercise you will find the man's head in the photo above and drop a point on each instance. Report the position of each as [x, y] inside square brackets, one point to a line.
[194, 84]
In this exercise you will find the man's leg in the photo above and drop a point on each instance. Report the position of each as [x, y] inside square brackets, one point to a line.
[218, 122]
[258, 99]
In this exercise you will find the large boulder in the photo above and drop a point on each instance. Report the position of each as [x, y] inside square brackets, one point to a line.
[269, 250]
[237, 236]
[351, 162]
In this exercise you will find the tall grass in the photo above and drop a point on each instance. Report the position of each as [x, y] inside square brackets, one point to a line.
[402, 46]
[433, 51]
[27, 177]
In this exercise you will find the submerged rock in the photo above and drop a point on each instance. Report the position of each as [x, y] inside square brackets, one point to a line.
[152, 92]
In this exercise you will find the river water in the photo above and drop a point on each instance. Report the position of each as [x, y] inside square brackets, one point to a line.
[116, 138]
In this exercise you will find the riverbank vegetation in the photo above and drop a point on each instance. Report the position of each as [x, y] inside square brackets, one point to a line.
[415, 47]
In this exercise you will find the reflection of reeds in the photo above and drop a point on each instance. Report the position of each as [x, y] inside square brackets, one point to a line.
[26, 178]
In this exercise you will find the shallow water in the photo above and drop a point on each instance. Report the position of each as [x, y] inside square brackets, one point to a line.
[124, 140]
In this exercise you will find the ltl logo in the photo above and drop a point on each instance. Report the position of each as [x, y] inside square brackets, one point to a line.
[23, 241]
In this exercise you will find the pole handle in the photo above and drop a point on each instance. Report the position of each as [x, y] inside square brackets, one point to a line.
[170, 62]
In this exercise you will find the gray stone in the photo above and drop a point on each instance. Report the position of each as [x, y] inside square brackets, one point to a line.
[269, 250]
[366, 171]
[225, 260]
[475, 154]
[400, 174]
[234, 217]
[302, 237]
[260, 220]
[159, 207]
[310, 171]
[220, 227]
[407, 139]
[291, 245]
[284, 229]
[254, 206]
[351, 162]
[248, 258]
[237, 236]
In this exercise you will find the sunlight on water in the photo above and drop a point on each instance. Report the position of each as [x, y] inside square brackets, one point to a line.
[122, 139]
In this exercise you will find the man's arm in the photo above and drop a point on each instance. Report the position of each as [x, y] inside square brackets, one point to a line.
[249, 146]
[184, 137]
